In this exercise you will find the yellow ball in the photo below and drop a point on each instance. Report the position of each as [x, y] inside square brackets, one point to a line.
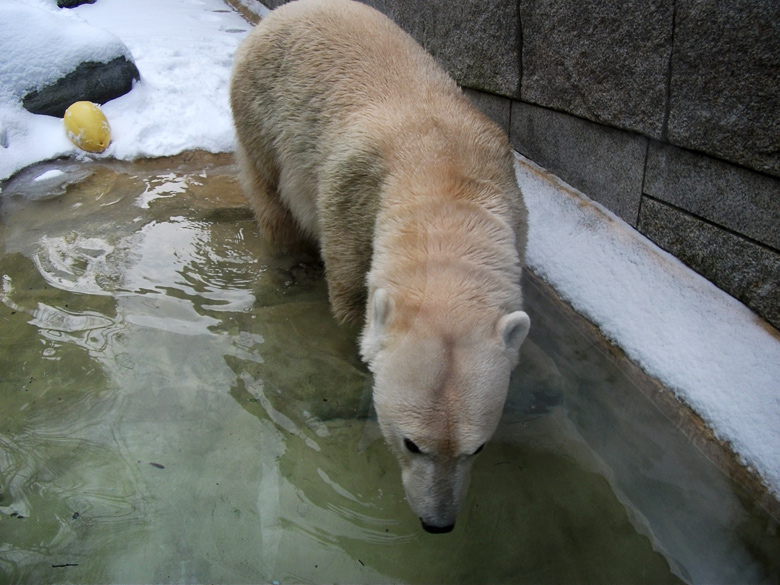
[87, 127]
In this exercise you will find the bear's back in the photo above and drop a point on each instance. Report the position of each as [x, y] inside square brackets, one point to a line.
[331, 97]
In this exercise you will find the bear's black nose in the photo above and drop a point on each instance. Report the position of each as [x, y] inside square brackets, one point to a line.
[436, 529]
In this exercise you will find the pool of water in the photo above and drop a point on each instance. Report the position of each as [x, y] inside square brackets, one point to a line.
[178, 405]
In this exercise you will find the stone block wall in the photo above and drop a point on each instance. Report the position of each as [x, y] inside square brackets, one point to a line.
[665, 111]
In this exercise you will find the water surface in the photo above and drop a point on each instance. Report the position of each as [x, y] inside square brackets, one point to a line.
[178, 405]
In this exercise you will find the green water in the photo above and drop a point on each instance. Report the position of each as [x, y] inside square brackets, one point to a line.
[178, 405]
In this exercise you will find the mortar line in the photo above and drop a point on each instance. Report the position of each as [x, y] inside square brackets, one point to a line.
[668, 98]
[711, 223]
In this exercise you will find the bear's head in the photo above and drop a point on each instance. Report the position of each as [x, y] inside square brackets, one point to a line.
[440, 382]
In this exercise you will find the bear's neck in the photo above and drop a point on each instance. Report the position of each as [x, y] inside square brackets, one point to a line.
[444, 239]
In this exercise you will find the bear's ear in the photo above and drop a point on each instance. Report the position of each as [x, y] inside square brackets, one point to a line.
[378, 316]
[513, 329]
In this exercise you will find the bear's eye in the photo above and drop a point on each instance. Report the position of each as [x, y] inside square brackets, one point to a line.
[411, 446]
[482, 446]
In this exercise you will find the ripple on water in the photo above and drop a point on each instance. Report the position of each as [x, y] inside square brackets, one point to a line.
[214, 272]
[78, 264]
[65, 495]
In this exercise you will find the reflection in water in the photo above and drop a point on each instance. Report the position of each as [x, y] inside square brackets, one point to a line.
[177, 404]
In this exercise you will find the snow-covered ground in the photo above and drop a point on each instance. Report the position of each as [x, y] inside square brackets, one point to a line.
[183, 50]
[707, 347]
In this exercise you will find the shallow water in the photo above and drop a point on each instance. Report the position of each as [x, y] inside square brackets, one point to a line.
[178, 405]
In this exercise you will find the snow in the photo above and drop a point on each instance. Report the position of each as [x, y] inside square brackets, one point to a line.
[704, 345]
[48, 176]
[183, 50]
[30, 56]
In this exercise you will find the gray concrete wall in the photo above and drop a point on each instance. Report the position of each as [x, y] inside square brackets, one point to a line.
[665, 111]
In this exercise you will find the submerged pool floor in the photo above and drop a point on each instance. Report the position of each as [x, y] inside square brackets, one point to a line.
[178, 405]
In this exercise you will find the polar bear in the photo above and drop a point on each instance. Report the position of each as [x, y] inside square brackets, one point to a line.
[349, 135]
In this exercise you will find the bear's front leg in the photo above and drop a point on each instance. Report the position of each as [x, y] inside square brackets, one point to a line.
[260, 188]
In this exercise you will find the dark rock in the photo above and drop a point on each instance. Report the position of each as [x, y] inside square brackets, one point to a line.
[604, 61]
[73, 3]
[604, 163]
[734, 197]
[725, 95]
[745, 270]
[90, 81]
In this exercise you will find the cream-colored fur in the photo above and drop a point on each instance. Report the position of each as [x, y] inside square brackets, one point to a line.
[350, 135]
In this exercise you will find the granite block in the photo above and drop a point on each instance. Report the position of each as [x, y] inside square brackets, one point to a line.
[477, 42]
[604, 61]
[495, 107]
[604, 163]
[737, 198]
[746, 270]
[725, 81]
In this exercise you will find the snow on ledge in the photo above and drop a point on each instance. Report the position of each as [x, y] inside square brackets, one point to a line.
[707, 347]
